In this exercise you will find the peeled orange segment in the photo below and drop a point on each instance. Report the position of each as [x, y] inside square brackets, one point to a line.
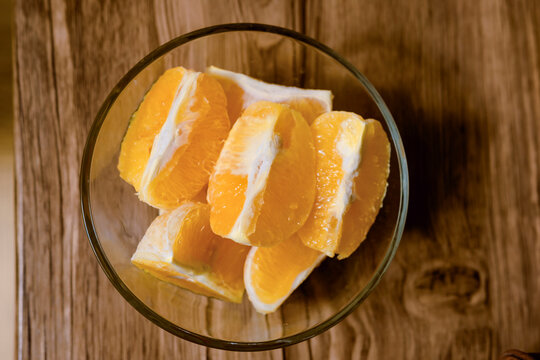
[193, 243]
[145, 124]
[271, 274]
[353, 157]
[263, 185]
[174, 138]
[180, 248]
[369, 188]
[154, 255]
[242, 91]
[201, 196]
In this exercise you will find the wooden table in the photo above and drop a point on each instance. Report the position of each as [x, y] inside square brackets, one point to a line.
[462, 79]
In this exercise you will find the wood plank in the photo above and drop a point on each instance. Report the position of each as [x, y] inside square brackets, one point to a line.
[462, 80]
[7, 190]
[67, 58]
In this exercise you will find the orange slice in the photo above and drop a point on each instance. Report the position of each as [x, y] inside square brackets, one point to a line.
[174, 138]
[180, 248]
[242, 91]
[353, 163]
[263, 185]
[201, 196]
[271, 274]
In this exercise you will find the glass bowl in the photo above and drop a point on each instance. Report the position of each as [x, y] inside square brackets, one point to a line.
[115, 219]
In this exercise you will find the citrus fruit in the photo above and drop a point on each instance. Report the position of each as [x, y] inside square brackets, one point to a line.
[174, 138]
[180, 248]
[353, 158]
[242, 91]
[271, 274]
[263, 185]
[201, 196]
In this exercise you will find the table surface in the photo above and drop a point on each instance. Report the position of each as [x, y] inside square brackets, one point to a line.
[7, 198]
[462, 79]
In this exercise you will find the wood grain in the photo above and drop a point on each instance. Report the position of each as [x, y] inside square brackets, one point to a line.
[462, 79]
[7, 190]
[465, 282]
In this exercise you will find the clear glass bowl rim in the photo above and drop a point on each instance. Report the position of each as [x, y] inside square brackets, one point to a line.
[148, 312]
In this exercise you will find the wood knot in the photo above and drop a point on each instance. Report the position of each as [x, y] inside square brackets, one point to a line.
[443, 286]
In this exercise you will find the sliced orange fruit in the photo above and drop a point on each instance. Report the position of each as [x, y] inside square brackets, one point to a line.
[179, 247]
[271, 274]
[353, 159]
[242, 91]
[174, 138]
[263, 185]
[201, 196]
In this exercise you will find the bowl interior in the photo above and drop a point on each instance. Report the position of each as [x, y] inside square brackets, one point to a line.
[116, 219]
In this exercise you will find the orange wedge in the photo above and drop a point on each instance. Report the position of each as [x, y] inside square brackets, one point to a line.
[201, 196]
[174, 138]
[242, 91]
[180, 248]
[271, 274]
[263, 185]
[353, 159]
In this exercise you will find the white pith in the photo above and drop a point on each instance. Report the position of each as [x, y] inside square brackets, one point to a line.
[173, 133]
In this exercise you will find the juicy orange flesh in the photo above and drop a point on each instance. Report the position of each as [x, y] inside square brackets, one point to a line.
[283, 205]
[145, 125]
[199, 249]
[321, 229]
[189, 169]
[369, 188]
[290, 189]
[162, 270]
[201, 127]
[201, 196]
[235, 97]
[293, 219]
[195, 248]
[228, 261]
[156, 230]
[229, 183]
[239, 99]
[309, 108]
[186, 283]
[194, 242]
[227, 201]
[275, 269]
